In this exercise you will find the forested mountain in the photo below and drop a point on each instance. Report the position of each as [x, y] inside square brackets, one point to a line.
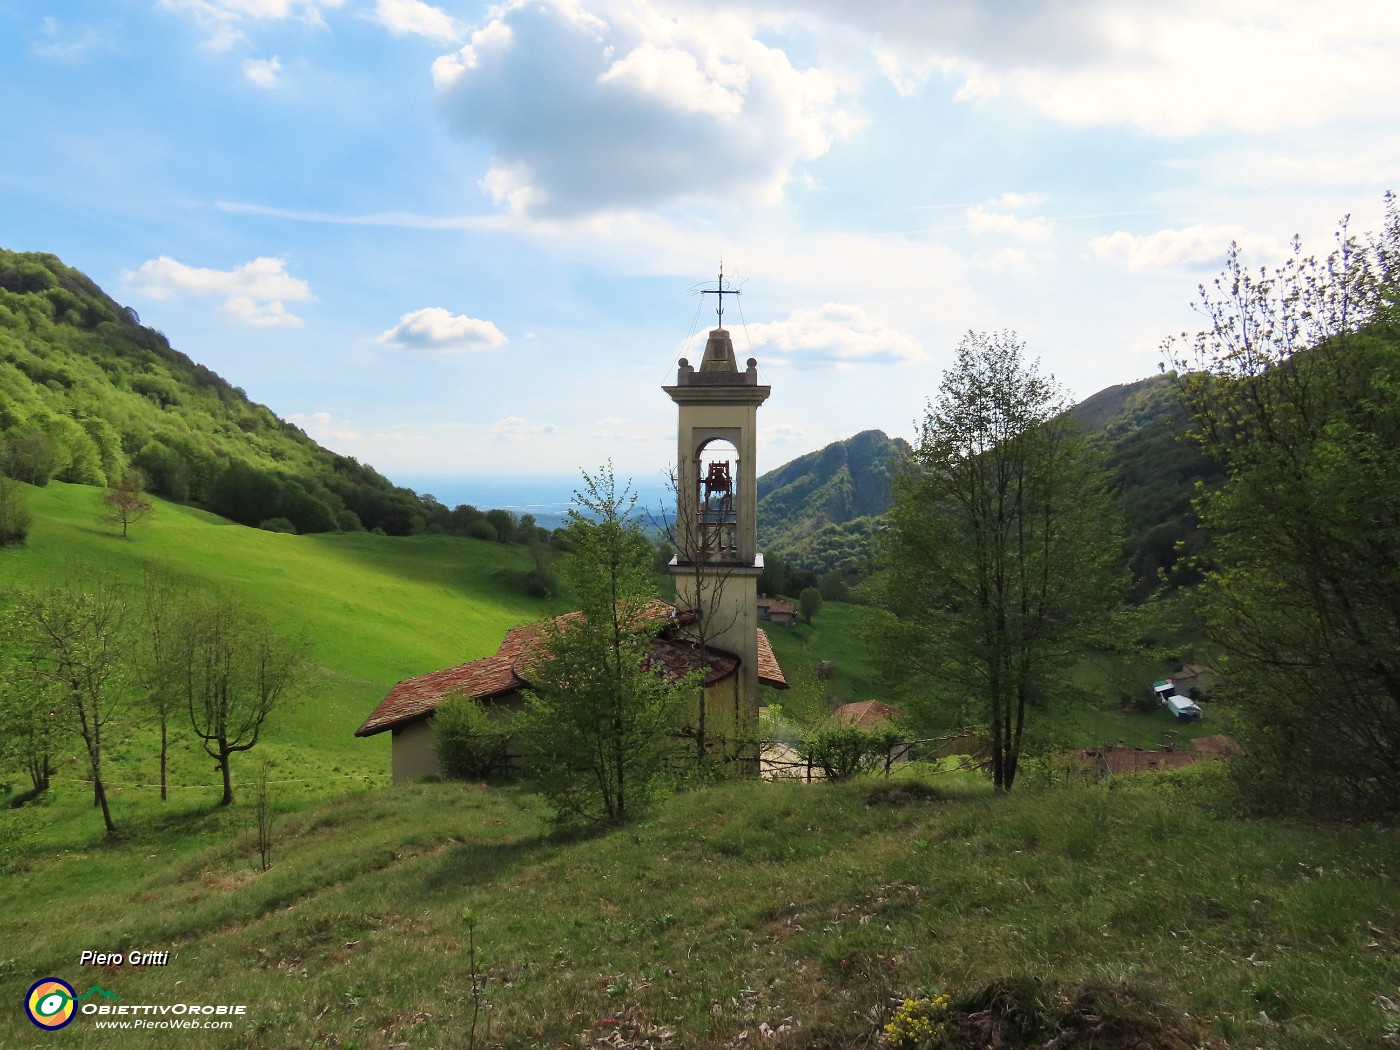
[88, 392]
[821, 511]
[818, 512]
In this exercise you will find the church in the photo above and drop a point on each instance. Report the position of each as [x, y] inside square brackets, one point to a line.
[713, 626]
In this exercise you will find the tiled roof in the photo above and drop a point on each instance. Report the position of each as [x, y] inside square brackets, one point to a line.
[868, 714]
[770, 672]
[777, 605]
[1135, 759]
[1215, 746]
[504, 672]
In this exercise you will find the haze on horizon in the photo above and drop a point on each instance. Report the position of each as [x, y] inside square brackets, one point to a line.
[462, 239]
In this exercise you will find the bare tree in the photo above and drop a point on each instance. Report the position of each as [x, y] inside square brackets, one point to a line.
[126, 501]
[698, 557]
[233, 671]
[156, 664]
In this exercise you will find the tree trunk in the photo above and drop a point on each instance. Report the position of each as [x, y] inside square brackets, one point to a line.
[227, 800]
[101, 794]
[164, 730]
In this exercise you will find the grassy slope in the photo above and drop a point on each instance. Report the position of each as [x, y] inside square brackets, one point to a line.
[733, 907]
[375, 609]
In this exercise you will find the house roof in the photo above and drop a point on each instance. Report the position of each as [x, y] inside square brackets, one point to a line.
[868, 714]
[503, 672]
[777, 605]
[1135, 759]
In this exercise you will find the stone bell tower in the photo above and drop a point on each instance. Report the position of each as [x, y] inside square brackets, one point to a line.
[717, 562]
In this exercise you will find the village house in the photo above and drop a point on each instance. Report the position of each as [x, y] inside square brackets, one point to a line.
[777, 610]
[715, 569]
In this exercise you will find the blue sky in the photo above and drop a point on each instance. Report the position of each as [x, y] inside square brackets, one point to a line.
[463, 239]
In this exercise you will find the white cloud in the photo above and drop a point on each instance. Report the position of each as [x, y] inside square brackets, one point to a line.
[262, 71]
[625, 106]
[415, 18]
[434, 328]
[255, 292]
[514, 428]
[58, 43]
[1167, 69]
[981, 221]
[783, 434]
[224, 20]
[1176, 249]
[1009, 260]
[833, 333]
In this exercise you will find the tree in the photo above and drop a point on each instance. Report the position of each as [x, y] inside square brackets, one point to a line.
[470, 743]
[75, 644]
[126, 501]
[598, 716]
[809, 603]
[233, 671]
[699, 556]
[1000, 559]
[29, 724]
[1293, 387]
[158, 671]
[14, 513]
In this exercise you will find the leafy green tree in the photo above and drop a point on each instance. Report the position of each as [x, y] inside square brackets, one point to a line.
[598, 717]
[809, 603]
[29, 726]
[233, 671]
[1294, 388]
[75, 645]
[1001, 556]
[14, 513]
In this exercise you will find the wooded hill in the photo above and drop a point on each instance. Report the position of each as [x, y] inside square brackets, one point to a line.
[821, 511]
[87, 392]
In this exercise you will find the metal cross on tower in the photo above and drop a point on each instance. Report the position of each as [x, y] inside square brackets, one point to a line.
[719, 291]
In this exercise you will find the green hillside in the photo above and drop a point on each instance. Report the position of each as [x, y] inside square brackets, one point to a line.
[818, 510]
[376, 610]
[87, 391]
[1076, 917]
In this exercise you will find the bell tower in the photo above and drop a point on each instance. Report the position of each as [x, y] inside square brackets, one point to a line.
[717, 563]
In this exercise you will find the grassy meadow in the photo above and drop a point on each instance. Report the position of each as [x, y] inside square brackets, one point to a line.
[780, 915]
[1131, 913]
[375, 610]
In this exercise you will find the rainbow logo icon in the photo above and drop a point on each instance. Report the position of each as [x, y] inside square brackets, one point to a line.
[49, 1003]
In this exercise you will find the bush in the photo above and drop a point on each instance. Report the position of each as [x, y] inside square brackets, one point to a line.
[471, 745]
[842, 751]
[278, 525]
[481, 529]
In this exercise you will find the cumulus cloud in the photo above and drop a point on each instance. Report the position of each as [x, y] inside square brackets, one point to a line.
[415, 18]
[1176, 249]
[433, 328]
[256, 292]
[514, 428]
[980, 221]
[262, 71]
[623, 106]
[834, 333]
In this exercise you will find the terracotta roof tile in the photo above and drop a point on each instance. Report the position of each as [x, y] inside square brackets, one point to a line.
[868, 714]
[770, 672]
[503, 672]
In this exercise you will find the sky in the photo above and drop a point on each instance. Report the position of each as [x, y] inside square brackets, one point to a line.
[464, 241]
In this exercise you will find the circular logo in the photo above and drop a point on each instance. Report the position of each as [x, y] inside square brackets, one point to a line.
[49, 1003]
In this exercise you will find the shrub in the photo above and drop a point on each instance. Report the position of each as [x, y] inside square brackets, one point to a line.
[481, 529]
[843, 751]
[471, 745]
[278, 525]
